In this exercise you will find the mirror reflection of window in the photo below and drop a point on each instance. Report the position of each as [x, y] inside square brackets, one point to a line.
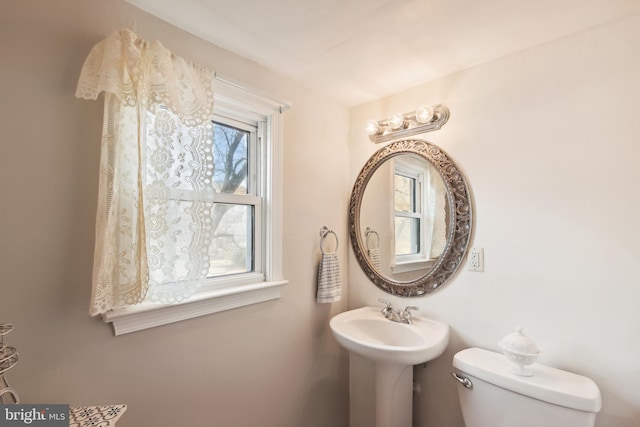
[408, 212]
[418, 214]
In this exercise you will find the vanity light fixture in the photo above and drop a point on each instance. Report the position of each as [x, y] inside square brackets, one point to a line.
[424, 119]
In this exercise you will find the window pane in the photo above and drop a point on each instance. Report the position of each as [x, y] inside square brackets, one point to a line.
[231, 248]
[230, 159]
[404, 193]
[407, 232]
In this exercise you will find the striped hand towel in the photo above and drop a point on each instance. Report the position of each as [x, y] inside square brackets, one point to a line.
[329, 283]
[374, 257]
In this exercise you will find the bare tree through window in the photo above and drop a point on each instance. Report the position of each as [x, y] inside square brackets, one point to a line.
[231, 223]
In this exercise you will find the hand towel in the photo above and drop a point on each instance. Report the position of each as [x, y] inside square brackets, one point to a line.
[329, 283]
[374, 257]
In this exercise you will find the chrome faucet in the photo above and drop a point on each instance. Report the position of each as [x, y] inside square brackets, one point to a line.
[395, 315]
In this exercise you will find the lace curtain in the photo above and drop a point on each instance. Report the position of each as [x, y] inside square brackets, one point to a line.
[153, 224]
[435, 218]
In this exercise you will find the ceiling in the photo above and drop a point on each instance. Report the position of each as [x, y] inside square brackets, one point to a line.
[356, 51]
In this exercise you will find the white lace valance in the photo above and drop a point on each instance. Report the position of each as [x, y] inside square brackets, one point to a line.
[156, 136]
[135, 70]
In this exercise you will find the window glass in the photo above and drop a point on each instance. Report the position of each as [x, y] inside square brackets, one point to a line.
[407, 218]
[407, 235]
[404, 193]
[231, 249]
[230, 159]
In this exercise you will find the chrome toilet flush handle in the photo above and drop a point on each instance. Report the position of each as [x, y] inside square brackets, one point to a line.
[466, 382]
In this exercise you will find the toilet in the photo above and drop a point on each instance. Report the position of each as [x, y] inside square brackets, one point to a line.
[492, 395]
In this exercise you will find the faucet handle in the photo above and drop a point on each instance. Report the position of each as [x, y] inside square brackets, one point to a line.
[386, 311]
[406, 314]
[385, 302]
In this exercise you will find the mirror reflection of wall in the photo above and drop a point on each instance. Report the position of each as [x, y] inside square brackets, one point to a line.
[375, 214]
[372, 242]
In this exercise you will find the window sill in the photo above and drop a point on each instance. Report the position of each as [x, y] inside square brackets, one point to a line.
[404, 267]
[149, 315]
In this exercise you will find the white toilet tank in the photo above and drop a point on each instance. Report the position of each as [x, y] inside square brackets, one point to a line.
[499, 398]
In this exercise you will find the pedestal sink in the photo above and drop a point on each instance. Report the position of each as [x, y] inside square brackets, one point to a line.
[394, 347]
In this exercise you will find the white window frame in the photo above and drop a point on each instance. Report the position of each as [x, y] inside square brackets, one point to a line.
[225, 293]
[253, 198]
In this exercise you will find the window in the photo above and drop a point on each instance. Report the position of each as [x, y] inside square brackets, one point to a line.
[238, 207]
[234, 222]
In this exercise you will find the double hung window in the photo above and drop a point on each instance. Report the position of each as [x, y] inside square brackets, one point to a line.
[213, 206]
[189, 204]
[236, 215]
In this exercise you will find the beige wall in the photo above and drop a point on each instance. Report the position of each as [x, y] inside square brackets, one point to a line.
[549, 141]
[272, 364]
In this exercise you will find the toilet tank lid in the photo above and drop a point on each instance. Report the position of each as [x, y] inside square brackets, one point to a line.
[547, 384]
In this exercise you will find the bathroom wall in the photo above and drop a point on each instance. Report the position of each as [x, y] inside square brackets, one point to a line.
[271, 364]
[548, 139]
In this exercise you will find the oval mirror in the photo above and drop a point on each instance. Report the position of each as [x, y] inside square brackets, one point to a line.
[410, 218]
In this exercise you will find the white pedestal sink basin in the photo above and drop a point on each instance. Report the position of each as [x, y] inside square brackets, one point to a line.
[394, 347]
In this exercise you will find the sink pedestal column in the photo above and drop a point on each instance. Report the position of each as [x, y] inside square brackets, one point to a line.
[394, 395]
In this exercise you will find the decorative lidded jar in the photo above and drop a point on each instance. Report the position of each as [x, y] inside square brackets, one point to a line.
[520, 351]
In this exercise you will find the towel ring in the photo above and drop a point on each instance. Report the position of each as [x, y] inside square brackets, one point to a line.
[368, 232]
[324, 231]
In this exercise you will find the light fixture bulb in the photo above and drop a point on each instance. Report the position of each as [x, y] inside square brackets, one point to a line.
[396, 121]
[372, 127]
[424, 114]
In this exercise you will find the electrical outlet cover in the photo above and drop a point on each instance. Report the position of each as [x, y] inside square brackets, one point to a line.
[476, 259]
